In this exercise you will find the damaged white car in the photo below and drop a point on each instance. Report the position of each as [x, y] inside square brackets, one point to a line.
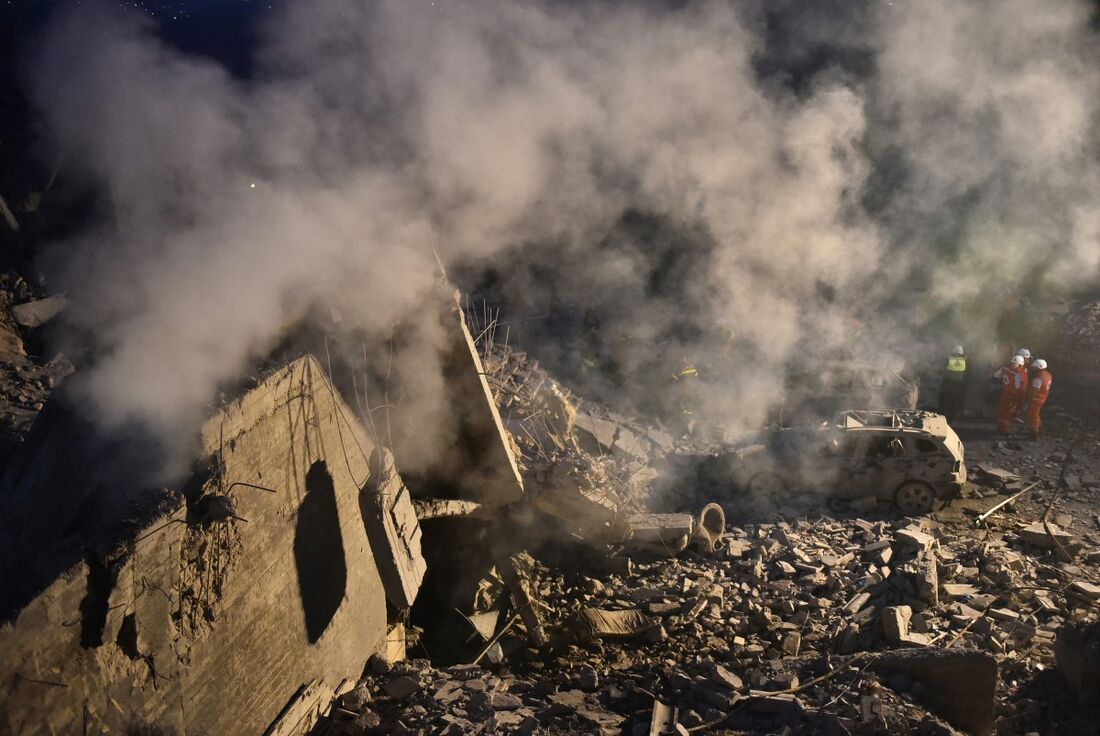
[910, 458]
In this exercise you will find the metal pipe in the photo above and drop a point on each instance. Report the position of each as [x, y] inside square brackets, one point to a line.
[1004, 503]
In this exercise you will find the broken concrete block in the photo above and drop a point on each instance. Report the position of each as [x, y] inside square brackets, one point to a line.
[303, 712]
[482, 467]
[566, 496]
[786, 705]
[722, 676]
[958, 590]
[394, 531]
[402, 687]
[396, 644]
[991, 475]
[959, 686]
[1003, 614]
[1085, 590]
[39, 312]
[736, 548]
[857, 603]
[1077, 654]
[666, 534]
[879, 553]
[594, 434]
[922, 575]
[1036, 535]
[895, 622]
[785, 568]
[911, 537]
[600, 623]
[505, 701]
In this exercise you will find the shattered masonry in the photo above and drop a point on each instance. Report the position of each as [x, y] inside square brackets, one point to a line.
[289, 576]
[244, 609]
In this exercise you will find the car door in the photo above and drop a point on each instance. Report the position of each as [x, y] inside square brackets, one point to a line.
[876, 466]
[850, 480]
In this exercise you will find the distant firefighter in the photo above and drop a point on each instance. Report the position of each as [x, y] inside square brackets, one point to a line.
[1013, 388]
[685, 394]
[953, 386]
[1038, 390]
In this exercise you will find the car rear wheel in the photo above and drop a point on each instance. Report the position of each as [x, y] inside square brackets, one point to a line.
[914, 498]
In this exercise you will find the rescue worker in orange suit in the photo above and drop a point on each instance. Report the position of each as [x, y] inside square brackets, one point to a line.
[1026, 355]
[953, 386]
[1038, 390]
[1012, 377]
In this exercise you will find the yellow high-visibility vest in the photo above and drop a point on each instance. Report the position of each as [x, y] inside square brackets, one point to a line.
[688, 372]
[956, 365]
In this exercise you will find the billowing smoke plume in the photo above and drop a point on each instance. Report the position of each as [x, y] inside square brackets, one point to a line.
[992, 110]
[635, 159]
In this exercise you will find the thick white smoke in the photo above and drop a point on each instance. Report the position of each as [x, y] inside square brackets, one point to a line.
[993, 107]
[375, 131]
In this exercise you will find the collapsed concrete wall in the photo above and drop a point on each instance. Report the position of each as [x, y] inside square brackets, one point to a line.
[219, 612]
[478, 464]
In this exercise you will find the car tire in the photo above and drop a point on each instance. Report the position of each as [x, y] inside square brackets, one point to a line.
[913, 498]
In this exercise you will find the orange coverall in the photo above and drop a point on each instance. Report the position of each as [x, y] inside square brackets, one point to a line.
[1013, 390]
[1037, 392]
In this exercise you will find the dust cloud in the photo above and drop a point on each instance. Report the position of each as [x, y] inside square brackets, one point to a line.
[671, 180]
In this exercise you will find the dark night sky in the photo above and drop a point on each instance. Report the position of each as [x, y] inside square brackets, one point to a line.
[221, 29]
[217, 28]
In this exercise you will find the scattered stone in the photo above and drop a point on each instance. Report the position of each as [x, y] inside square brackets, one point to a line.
[958, 590]
[895, 622]
[914, 538]
[1085, 590]
[1036, 535]
[402, 687]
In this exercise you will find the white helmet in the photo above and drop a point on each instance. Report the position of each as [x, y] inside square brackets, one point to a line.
[1040, 364]
[1017, 360]
[958, 350]
[1024, 353]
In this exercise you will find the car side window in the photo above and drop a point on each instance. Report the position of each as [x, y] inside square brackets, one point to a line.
[841, 447]
[884, 447]
[926, 447]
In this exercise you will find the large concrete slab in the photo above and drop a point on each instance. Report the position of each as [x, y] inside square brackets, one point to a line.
[206, 623]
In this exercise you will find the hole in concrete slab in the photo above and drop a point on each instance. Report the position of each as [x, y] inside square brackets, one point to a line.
[94, 605]
[127, 637]
[319, 552]
[457, 555]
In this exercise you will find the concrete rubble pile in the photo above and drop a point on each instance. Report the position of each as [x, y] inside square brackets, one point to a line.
[595, 470]
[800, 624]
[546, 577]
[267, 579]
[781, 605]
[1080, 351]
[25, 383]
[1083, 326]
[803, 623]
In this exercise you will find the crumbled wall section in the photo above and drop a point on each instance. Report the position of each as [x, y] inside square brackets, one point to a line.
[488, 473]
[213, 626]
[477, 462]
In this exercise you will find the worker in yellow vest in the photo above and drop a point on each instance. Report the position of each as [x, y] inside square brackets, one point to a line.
[684, 387]
[953, 386]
